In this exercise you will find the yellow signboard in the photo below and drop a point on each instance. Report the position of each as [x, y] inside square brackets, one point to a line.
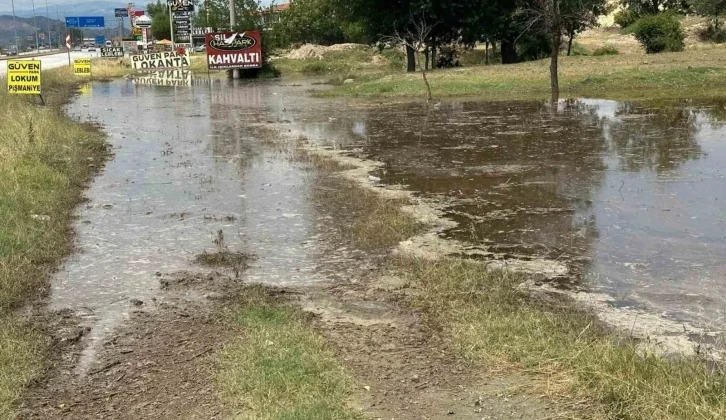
[82, 66]
[24, 77]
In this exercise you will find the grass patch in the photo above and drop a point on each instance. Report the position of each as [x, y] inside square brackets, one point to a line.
[363, 60]
[370, 221]
[490, 320]
[633, 76]
[280, 369]
[228, 259]
[46, 160]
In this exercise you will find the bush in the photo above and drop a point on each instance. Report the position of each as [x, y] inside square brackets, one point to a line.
[626, 17]
[659, 33]
[714, 32]
[577, 49]
[606, 50]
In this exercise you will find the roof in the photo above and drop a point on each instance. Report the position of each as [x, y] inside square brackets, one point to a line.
[279, 7]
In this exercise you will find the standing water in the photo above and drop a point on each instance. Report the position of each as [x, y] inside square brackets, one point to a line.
[628, 196]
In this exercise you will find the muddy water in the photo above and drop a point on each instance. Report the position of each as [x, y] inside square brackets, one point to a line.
[629, 196]
[187, 164]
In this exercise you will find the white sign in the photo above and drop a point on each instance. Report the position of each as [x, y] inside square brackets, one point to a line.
[162, 60]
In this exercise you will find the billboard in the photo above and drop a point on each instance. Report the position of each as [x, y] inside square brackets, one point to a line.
[110, 52]
[100, 39]
[181, 5]
[121, 12]
[85, 22]
[82, 67]
[162, 60]
[24, 77]
[234, 50]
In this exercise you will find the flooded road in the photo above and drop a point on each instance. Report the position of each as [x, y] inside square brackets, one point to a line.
[630, 197]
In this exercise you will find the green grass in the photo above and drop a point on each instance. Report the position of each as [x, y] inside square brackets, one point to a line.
[491, 321]
[693, 73]
[46, 160]
[355, 61]
[280, 368]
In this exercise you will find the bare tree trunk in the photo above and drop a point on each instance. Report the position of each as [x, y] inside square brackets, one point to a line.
[509, 52]
[433, 53]
[569, 44]
[486, 52]
[410, 59]
[429, 97]
[556, 28]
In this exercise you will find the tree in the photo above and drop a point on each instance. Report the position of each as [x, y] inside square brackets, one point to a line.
[313, 21]
[160, 25]
[417, 33]
[579, 15]
[215, 14]
[712, 9]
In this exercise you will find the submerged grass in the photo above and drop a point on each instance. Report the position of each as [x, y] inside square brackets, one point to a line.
[490, 320]
[45, 161]
[634, 76]
[280, 369]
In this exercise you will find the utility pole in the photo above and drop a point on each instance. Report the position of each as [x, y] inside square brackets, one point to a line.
[47, 18]
[35, 24]
[171, 26]
[15, 28]
[232, 24]
[57, 17]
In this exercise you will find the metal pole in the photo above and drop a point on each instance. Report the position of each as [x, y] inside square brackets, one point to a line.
[57, 17]
[15, 28]
[47, 18]
[171, 26]
[35, 24]
[232, 24]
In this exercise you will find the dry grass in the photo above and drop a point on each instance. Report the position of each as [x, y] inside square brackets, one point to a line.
[369, 220]
[280, 369]
[493, 322]
[45, 161]
[635, 76]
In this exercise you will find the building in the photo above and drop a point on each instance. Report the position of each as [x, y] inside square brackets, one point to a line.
[273, 14]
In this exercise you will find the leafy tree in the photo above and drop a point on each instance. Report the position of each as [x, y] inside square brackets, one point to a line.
[635, 9]
[160, 25]
[659, 33]
[313, 21]
[712, 9]
[215, 14]
[580, 15]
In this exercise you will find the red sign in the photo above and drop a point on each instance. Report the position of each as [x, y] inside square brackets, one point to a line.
[234, 50]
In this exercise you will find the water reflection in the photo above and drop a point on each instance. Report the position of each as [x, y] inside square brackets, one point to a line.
[629, 194]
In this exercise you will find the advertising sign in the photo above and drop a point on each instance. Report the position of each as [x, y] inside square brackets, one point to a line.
[24, 77]
[121, 12]
[181, 5]
[162, 60]
[234, 50]
[165, 78]
[82, 67]
[111, 52]
[130, 46]
[85, 22]
[100, 39]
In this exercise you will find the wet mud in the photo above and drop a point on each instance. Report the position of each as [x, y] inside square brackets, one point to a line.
[206, 189]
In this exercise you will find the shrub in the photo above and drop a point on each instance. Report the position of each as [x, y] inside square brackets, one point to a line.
[659, 33]
[625, 18]
[577, 49]
[714, 32]
[606, 50]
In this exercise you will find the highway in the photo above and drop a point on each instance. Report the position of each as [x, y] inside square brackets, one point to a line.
[51, 61]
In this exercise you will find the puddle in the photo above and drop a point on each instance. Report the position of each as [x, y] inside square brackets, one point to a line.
[188, 163]
[629, 196]
[621, 199]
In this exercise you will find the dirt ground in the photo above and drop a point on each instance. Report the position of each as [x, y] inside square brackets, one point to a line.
[158, 364]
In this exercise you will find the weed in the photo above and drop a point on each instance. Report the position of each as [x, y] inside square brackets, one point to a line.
[280, 368]
[492, 321]
[606, 50]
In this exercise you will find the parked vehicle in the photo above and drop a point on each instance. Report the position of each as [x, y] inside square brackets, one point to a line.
[200, 48]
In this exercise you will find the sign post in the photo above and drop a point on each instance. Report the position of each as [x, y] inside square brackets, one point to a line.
[234, 50]
[24, 78]
[68, 46]
[82, 67]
